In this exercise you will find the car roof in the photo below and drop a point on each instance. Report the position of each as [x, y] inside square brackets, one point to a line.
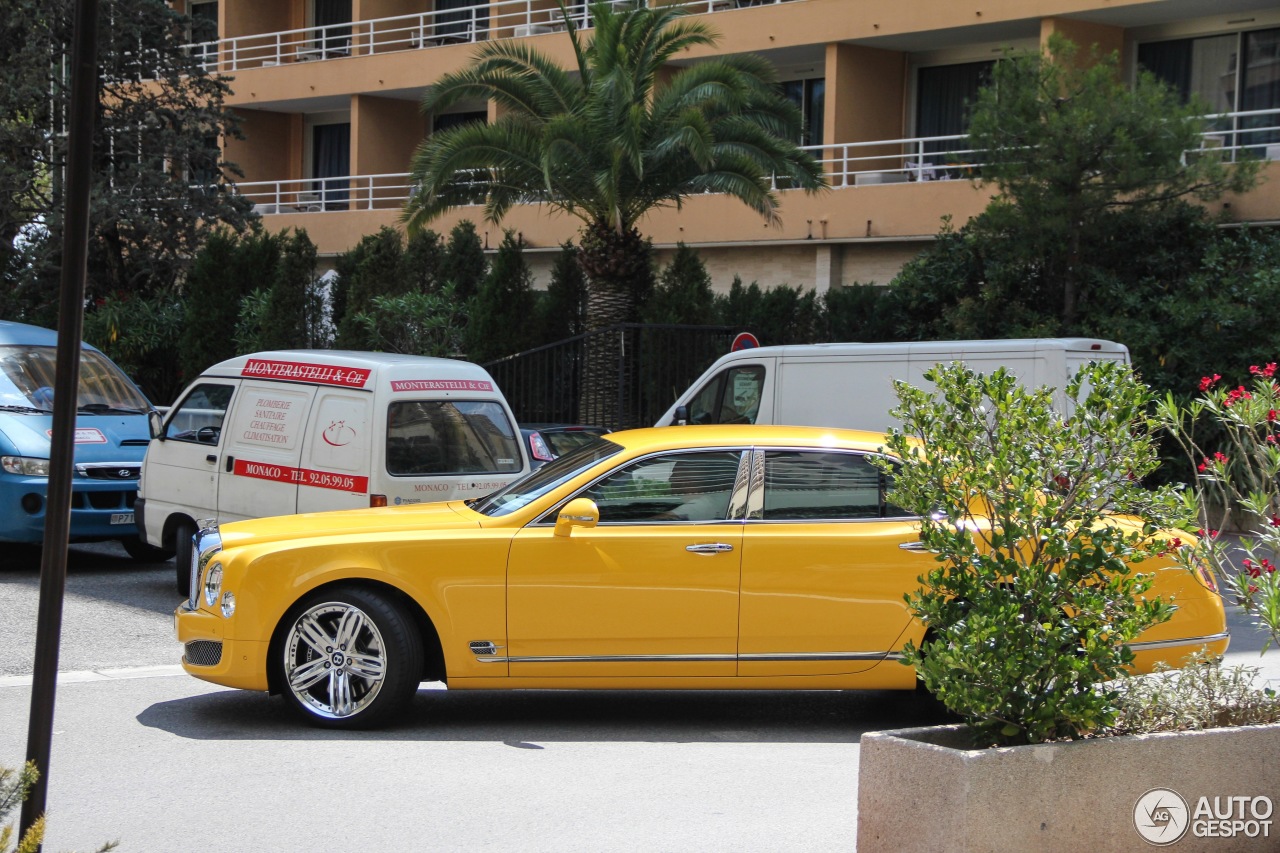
[21, 333]
[693, 436]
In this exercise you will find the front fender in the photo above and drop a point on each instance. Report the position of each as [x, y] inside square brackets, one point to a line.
[458, 581]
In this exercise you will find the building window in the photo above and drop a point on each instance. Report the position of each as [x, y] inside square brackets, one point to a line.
[331, 164]
[460, 20]
[204, 27]
[945, 95]
[809, 96]
[334, 16]
[1210, 69]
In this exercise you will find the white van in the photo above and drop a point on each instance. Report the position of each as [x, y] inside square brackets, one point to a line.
[851, 385]
[275, 433]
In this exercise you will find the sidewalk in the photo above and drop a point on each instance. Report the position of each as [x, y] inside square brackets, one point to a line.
[1246, 647]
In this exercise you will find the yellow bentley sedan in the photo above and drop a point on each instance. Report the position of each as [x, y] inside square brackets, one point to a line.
[722, 557]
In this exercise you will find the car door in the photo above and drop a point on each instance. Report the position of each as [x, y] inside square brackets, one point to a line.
[182, 470]
[652, 590]
[824, 569]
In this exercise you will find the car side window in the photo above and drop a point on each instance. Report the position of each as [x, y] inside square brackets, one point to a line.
[674, 487]
[815, 485]
[198, 418]
[732, 397]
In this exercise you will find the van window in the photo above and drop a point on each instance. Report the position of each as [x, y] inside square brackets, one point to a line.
[27, 380]
[198, 418]
[450, 437]
[732, 397]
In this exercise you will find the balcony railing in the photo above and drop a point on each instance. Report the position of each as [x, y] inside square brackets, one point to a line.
[852, 164]
[485, 21]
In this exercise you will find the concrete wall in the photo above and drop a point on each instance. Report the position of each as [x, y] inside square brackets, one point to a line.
[919, 791]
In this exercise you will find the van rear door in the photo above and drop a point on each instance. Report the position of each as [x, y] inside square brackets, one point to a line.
[336, 450]
[260, 470]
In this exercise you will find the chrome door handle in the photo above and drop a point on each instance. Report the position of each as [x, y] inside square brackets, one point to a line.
[712, 548]
[912, 546]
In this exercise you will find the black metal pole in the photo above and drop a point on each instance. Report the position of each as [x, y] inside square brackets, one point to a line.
[75, 249]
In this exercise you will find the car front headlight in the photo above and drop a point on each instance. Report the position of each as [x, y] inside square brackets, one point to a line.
[26, 466]
[212, 584]
[228, 604]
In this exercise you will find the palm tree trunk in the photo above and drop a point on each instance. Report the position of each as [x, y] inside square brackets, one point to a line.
[619, 271]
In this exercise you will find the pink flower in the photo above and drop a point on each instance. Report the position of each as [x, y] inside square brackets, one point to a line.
[1207, 382]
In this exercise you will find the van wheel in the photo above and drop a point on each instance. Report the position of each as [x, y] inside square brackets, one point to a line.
[182, 535]
[144, 553]
[349, 658]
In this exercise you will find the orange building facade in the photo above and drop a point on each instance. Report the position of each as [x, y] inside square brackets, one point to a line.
[328, 95]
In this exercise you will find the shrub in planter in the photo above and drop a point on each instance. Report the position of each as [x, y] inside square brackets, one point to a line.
[1038, 520]
[1232, 438]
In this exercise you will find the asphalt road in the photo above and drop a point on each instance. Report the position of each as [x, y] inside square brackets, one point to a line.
[164, 762]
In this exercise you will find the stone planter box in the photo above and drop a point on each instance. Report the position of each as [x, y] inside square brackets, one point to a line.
[924, 790]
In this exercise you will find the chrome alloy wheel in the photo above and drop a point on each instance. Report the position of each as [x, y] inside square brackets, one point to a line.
[335, 660]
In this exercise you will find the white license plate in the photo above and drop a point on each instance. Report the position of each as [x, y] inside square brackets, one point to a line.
[122, 518]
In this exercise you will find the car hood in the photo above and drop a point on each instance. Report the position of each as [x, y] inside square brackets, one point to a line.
[105, 438]
[347, 522]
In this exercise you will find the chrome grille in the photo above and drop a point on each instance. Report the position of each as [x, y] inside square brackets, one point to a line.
[207, 542]
[109, 470]
[203, 652]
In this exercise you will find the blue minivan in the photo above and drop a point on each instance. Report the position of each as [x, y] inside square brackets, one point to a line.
[112, 434]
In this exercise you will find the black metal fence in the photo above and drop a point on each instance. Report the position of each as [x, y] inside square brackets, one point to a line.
[620, 377]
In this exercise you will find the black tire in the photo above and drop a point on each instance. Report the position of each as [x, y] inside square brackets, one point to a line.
[182, 535]
[348, 658]
[144, 553]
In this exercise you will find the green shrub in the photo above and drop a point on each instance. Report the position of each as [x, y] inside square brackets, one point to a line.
[502, 311]
[1202, 695]
[141, 334]
[683, 293]
[413, 323]
[1033, 600]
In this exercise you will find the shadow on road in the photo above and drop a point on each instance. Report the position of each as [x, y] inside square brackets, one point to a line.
[524, 718]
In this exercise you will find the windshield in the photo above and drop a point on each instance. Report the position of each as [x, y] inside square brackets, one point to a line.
[548, 477]
[27, 379]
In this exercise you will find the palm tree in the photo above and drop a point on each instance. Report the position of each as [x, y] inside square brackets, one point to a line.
[612, 140]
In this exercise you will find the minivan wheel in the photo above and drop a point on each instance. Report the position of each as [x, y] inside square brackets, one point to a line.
[182, 535]
[350, 658]
[144, 553]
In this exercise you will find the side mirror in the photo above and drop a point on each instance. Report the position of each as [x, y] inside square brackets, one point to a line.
[156, 422]
[579, 512]
[682, 416]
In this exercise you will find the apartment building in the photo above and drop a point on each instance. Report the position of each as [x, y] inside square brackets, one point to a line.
[328, 93]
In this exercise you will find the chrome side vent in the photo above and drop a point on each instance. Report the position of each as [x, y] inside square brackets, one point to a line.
[481, 648]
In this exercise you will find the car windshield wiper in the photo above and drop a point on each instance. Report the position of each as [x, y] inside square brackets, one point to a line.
[32, 410]
[104, 408]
